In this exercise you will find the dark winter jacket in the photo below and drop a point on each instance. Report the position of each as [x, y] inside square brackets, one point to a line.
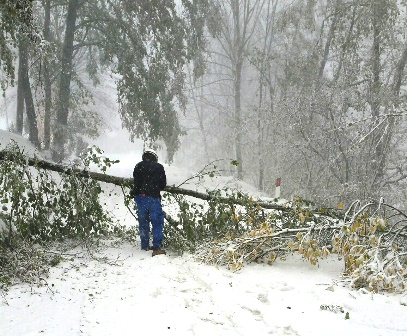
[149, 178]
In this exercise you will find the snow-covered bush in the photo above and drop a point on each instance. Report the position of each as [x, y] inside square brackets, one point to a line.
[40, 206]
[272, 235]
[373, 247]
[26, 263]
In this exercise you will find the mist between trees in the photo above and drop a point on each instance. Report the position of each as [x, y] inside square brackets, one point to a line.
[312, 91]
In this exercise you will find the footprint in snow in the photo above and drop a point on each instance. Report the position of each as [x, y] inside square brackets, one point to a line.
[286, 288]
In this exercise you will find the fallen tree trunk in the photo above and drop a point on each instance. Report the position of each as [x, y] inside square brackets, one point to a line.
[126, 182]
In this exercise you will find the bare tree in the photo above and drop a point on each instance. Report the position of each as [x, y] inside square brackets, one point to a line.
[261, 58]
[239, 19]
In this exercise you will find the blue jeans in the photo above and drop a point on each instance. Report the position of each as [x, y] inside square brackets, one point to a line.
[149, 209]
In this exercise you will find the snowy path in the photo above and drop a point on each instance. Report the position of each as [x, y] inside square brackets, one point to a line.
[168, 295]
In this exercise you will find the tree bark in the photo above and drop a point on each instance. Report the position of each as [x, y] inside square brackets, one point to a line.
[30, 110]
[238, 120]
[345, 46]
[47, 80]
[378, 148]
[25, 89]
[58, 152]
[126, 182]
[238, 68]
[398, 76]
[20, 90]
[331, 35]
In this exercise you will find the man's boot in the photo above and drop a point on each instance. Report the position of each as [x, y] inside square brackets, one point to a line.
[158, 251]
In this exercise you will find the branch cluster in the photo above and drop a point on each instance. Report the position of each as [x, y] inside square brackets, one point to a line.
[372, 240]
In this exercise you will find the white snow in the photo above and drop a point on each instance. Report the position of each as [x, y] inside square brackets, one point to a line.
[175, 295]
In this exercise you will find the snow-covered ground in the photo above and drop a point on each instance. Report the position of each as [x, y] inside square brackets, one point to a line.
[173, 295]
[135, 294]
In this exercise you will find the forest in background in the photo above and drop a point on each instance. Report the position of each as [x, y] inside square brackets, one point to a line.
[312, 91]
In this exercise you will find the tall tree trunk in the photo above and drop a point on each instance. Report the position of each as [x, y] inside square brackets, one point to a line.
[30, 110]
[260, 135]
[238, 67]
[47, 80]
[27, 94]
[375, 92]
[58, 153]
[331, 35]
[265, 80]
[20, 90]
[201, 122]
[398, 75]
[345, 45]
[238, 119]
[199, 109]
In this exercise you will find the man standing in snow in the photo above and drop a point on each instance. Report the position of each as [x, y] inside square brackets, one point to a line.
[149, 180]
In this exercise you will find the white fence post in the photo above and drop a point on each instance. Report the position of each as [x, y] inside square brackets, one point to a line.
[278, 192]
